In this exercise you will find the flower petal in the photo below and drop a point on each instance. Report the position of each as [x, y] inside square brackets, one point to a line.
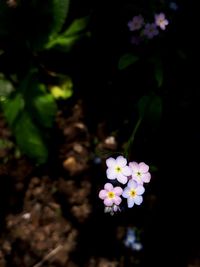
[125, 193]
[140, 190]
[121, 178]
[111, 173]
[121, 161]
[138, 200]
[108, 202]
[102, 194]
[137, 179]
[108, 187]
[130, 202]
[132, 184]
[146, 177]
[110, 162]
[134, 166]
[118, 191]
[117, 200]
[143, 167]
[126, 171]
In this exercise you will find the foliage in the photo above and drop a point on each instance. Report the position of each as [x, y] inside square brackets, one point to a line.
[50, 48]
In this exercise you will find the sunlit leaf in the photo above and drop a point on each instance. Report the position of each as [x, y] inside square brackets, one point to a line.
[127, 60]
[64, 90]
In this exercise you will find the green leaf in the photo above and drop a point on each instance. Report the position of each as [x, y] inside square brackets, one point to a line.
[127, 60]
[60, 11]
[68, 38]
[64, 90]
[143, 105]
[159, 73]
[29, 139]
[44, 20]
[12, 107]
[77, 26]
[45, 107]
[6, 88]
[150, 107]
[155, 109]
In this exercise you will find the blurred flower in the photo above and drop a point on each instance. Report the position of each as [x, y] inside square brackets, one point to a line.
[136, 23]
[111, 195]
[140, 172]
[133, 193]
[173, 6]
[12, 3]
[161, 21]
[150, 30]
[118, 169]
[130, 240]
[97, 160]
[112, 209]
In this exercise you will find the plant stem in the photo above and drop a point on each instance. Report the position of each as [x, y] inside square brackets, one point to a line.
[132, 137]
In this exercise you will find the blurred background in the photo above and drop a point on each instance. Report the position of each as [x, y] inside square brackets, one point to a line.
[81, 81]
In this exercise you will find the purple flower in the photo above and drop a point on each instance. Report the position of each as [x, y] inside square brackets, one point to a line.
[118, 169]
[136, 23]
[111, 195]
[140, 172]
[150, 30]
[133, 193]
[161, 21]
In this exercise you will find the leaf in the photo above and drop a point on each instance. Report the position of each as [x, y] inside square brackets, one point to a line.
[50, 16]
[127, 60]
[142, 105]
[150, 107]
[159, 74]
[60, 11]
[45, 108]
[63, 90]
[155, 109]
[12, 107]
[69, 37]
[6, 88]
[29, 139]
[77, 26]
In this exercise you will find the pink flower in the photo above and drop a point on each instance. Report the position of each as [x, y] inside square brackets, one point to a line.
[118, 169]
[150, 30]
[136, 23]
[111, 195]
[140, 172]
[161, 21]
[133, 193]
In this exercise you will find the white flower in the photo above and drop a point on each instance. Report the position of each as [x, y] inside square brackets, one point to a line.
[140, 172]
[133, 193]
[118, 169]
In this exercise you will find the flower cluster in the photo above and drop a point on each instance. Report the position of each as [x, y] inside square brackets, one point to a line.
[132, 175]
[147, 30]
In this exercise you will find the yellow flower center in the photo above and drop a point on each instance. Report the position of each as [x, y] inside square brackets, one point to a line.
[139, 174]
[111, 194]
[118, 169]
[132, 193]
